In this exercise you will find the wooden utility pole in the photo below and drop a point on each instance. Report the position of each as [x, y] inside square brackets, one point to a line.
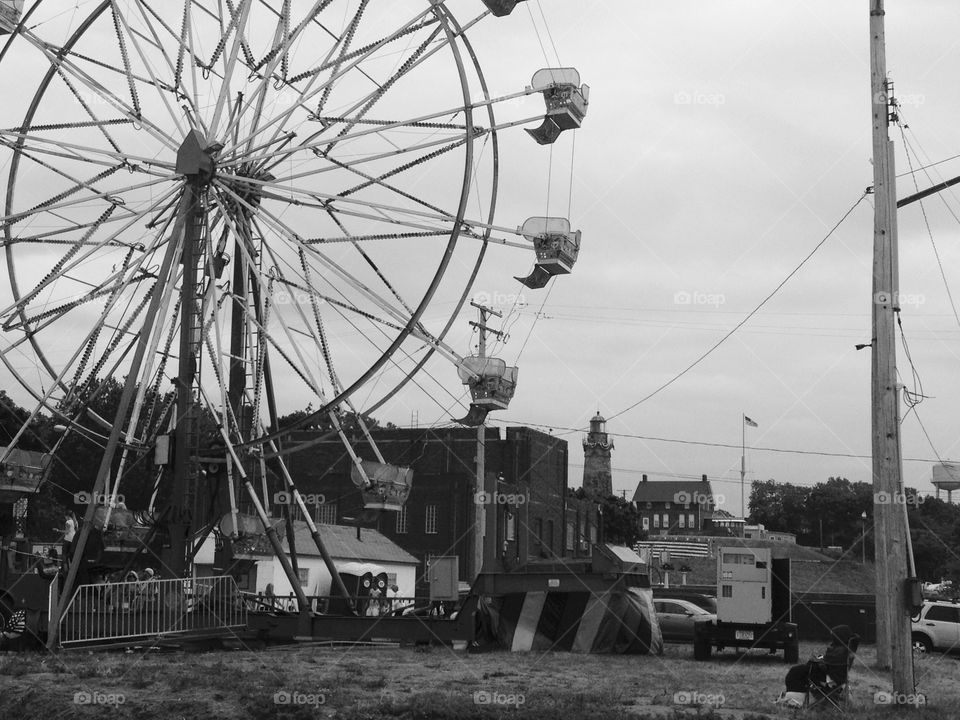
[894, 649]
[480, 517]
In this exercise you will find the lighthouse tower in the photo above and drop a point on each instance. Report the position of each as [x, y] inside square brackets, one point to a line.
[597, 478]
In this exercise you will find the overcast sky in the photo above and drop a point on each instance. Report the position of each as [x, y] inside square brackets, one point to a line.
[722, 143]
[724, 140]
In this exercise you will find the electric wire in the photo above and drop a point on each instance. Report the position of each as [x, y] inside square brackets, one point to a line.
[747, 318]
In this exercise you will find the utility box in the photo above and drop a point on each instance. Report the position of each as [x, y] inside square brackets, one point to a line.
[444, 574]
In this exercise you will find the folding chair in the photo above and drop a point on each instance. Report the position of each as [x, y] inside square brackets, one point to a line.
[830, 675]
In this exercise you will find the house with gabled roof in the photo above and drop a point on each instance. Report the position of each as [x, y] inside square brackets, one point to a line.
[674, 507]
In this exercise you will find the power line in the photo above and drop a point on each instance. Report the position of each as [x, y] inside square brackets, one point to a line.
[703, 443]
[746, 319]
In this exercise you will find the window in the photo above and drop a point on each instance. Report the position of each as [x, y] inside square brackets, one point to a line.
[550, 535]
[570, 538]
[646, 523]
[942, 613]
[430, 524]
[666, 520]
[593, 534]
[682, 521]
[666, 506]
[691, 521]
[326, 514]
[727, 591]
[391, 579]
[304, 576]
[656, 520]
[402, 516]
[511, 526]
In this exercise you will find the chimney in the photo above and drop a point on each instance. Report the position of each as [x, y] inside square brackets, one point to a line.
[643, 478]
[703, 478]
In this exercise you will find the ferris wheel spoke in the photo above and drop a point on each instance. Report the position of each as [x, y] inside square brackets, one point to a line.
[379, 180]
[78, 185]
[115, 155]
[114, 197]
[332, 202]
[284, 39]
[115, 276]
[125, 57]
[369, 260]
[176, 68]
[265, 292]
[58, 58]
[230, 64]
[59, 203]
[161, 88]
[258, 97]
[345, 41]
[309, 94]
[285, 231]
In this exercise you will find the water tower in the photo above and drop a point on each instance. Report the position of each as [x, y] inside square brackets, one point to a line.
[946, 476]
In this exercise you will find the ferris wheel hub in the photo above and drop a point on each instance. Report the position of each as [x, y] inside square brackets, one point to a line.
[197, 158]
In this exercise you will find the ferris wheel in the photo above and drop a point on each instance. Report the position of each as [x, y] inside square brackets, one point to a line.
[227, 197]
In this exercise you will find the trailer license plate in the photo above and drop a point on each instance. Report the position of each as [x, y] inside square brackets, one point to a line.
[744, 634]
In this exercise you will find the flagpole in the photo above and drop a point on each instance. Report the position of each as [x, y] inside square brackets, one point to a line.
[743, 462]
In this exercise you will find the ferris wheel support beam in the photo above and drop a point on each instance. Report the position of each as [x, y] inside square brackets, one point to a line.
[129, 387]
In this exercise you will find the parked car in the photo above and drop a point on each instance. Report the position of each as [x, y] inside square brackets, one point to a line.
[938, 627]
[707, 602]
[677, 618]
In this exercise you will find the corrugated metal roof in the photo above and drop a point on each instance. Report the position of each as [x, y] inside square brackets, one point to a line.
[342, 544]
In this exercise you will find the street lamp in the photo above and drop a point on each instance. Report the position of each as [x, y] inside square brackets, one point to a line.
[863, 538]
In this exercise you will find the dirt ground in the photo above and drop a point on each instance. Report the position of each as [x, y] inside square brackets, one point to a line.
[354, 683]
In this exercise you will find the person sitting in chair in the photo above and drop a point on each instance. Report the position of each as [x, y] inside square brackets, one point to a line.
[825, 676]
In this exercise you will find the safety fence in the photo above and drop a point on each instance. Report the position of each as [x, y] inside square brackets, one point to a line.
[116, 612]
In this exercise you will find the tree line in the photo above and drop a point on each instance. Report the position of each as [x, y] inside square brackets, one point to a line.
[831, 513]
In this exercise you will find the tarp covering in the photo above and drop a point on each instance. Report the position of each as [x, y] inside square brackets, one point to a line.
[621, 622]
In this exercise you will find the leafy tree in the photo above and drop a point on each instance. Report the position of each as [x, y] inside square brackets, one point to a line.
[621, 521]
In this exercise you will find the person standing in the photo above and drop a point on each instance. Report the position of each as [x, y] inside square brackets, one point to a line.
[69, 533]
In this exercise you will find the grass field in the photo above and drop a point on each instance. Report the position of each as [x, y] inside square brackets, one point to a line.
[355, 683]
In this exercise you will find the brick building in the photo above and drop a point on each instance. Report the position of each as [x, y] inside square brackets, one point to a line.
[674, 507]
[535, 516]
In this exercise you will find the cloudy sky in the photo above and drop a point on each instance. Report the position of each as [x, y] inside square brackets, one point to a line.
[723, 142]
